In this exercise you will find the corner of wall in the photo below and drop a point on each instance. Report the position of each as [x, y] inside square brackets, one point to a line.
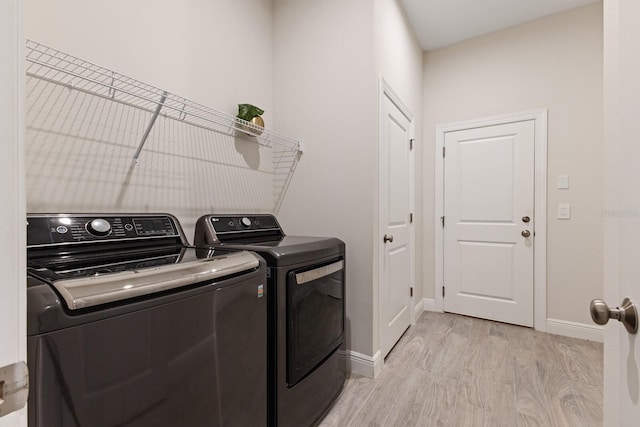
[361, 364]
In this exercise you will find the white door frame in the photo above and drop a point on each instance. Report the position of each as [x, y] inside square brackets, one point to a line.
[540, 206]
[386, 90]
[13, 307]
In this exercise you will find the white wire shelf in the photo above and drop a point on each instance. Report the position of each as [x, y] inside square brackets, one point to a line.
[54, 66]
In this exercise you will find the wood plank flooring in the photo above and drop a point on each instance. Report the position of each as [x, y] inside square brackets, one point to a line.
[451, 370]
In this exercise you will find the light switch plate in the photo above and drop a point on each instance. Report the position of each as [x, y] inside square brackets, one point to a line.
[563, 182]
[564, 211]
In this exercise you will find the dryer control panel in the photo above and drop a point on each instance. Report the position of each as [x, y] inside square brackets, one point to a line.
[235, 223]
[226, 228]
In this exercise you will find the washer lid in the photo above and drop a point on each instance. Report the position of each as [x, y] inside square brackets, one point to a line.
[90, 291]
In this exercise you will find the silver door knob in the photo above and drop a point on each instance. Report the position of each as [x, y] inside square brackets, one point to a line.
[627, 313]
[526, 219]
[388, 238]
[526, 233]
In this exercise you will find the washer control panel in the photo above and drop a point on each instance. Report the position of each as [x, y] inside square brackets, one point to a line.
[99, 227]
[57, 229]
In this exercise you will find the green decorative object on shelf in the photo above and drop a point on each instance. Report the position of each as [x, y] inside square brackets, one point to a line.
[251, 113]
[247, 112]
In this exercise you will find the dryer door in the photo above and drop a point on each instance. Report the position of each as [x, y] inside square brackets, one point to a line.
[315, 316]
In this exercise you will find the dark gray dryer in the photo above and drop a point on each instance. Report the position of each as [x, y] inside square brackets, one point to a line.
[306, 279]
[128, 326]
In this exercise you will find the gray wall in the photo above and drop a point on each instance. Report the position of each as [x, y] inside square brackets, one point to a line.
[325, 89]
[79, 148]
[328, 59]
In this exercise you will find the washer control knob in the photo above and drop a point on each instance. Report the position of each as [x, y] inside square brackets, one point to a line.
[99, 227]
[246, 222]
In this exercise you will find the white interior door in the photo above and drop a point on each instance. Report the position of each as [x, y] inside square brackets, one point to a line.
[489, 223]
[12, 211]
[622, 207]
[395, 211]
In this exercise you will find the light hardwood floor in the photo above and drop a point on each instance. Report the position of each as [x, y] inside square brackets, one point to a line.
[450, 370]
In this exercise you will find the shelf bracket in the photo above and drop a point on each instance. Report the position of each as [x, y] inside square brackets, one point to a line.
[112, 86]
[149, 126]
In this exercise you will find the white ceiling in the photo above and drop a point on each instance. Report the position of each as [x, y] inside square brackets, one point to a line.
[439, 23]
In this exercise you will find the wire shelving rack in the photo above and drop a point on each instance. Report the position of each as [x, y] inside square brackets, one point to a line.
[54, 66]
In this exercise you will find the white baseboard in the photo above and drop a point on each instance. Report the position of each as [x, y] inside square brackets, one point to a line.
[418, 309]
[426, 304]
[429, 304]
[575, 330]
[361, 364]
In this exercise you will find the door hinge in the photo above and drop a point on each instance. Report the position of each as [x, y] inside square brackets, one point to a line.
[411, 218]
[442, 220]
[411, 144]
[14, 387]
[443, 292]
[443, 151]
[411, 291]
